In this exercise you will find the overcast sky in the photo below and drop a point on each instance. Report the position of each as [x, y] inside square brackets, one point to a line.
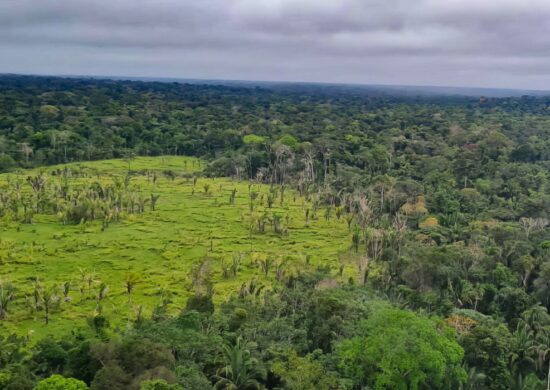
[487, 43]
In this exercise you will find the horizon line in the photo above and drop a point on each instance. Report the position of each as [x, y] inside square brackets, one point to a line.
[250, 81]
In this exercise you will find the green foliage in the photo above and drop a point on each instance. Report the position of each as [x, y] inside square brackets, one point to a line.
[252, 139]
[304, 373]
[106, 266]
[6, 163]
[402, 350]
[302, 207]
[158, 384]
[110, 377]
[487, 348]
[241, 371]
[50, 357]
[57, 382]
[201, 302]
[289, 141]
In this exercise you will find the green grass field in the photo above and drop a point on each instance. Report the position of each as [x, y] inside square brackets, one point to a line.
[163, 247]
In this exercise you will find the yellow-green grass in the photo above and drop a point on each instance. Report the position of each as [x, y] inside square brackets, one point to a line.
[162, 247]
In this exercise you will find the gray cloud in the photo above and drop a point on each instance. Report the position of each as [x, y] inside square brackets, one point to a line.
[499, 43]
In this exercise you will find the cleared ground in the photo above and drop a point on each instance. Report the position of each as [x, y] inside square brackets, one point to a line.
[194, 223]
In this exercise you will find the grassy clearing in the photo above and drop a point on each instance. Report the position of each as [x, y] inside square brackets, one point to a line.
[193, 224]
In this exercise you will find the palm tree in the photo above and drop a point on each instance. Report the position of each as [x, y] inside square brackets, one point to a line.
[6, 296]
[529, 382]
[130, 282]
[87, 279]
[252, 288]
[533, 340]
[49, 299]
[90, 279]
[521, 361]
[242, 371]
[474, 380]
[265, 264]
[37, 288]
[543, 351]
[102, 291]
[154, 199]
[66, 290]
[536, 318]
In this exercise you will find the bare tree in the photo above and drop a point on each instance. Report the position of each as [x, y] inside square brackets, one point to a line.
[26, 150]
[532, 224]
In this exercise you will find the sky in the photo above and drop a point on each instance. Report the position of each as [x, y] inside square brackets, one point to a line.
[483, 43]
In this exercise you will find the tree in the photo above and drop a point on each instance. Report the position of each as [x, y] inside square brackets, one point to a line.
[542, 349]
[158, 384]
[110, 377]
[6, 162]
[241, 370]
[80, 362]
[542, 284]
[49, 357]
[26, 150]
[521, 359]
[49, 299]
[303, 373]
[513, 302]
[252, 139]
[289, 141]
[154, 200]
[487, 347]
[58, 382]
[400, 350]
[474, 380]
[532, 224]
[7, 295]
[130, 282]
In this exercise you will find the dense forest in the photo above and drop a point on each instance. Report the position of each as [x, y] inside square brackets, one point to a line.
[446, 201]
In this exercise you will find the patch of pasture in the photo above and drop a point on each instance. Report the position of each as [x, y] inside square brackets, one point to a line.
[193, 224]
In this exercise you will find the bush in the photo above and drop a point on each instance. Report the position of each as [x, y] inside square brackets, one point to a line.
[6, 163]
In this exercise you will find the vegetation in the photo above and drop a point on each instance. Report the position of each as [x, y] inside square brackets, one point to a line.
[91, 243]
[314, 238]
